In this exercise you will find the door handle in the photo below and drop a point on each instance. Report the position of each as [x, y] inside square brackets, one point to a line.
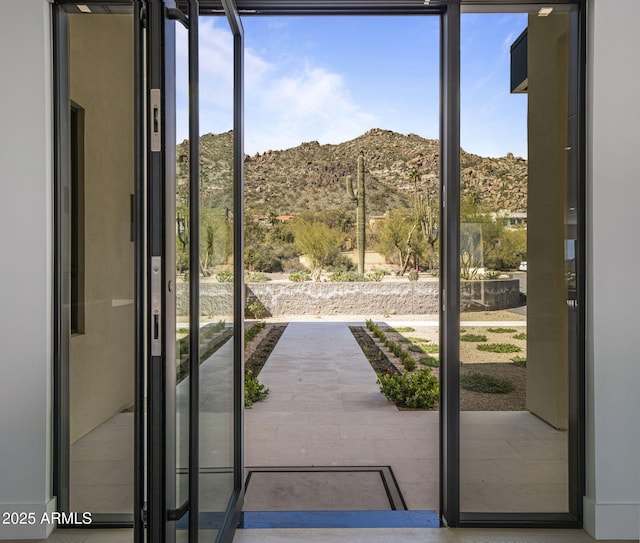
[156, 120]
[156, 306]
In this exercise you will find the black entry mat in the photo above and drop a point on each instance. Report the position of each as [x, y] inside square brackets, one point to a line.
[322, 488]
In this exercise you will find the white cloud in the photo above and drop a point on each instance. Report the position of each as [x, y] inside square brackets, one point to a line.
[311, 104]
[285, 104]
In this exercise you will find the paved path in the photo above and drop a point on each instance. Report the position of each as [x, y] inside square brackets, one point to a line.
[325, 409]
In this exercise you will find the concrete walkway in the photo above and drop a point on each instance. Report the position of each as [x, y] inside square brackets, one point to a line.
[325, 409]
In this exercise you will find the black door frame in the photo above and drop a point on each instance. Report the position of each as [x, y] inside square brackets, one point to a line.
[449, 10]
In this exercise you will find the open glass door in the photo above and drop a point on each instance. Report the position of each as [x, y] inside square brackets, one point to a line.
[194, 371]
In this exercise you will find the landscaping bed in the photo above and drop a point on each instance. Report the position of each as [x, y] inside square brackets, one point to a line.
[258, 349]
[383, 360]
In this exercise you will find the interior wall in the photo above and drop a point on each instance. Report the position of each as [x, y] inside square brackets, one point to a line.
[26, 218]
[101, 365]
[547, 329]
[612, 504]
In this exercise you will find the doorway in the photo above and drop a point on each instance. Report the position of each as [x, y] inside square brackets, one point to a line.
[187, 431]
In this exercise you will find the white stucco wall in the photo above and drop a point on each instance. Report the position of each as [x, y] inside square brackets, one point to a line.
[25, 245]
[612, 504]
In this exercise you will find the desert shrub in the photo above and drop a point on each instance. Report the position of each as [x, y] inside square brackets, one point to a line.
[341, 263]
[299, 277]
[413, 275]
[224, 276]
[498, 348]
[491, 274]
[401, 329]
[377, 275]
[291, 265]
[520, 361]
[256, 277]
[435, 272]
[347, 277]
[254, 391]
[473, 337]
[429, 349]
[416, 390]
[481, 382]
[502, 330]
[267, 263]
[520, 336]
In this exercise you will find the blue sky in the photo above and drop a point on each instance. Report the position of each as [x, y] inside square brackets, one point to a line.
[331, 79]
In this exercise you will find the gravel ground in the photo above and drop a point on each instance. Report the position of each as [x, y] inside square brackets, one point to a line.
[495, 364]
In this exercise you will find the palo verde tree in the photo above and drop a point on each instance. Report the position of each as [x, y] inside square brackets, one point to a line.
[318, 242]
[358, 196]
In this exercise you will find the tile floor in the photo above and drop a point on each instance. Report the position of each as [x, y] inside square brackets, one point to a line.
[325, 409]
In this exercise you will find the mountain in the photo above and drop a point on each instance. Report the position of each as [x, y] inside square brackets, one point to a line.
[311, 176]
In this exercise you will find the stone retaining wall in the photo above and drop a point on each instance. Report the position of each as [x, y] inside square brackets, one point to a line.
[386, 297]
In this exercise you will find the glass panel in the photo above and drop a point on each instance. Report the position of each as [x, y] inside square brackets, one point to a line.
[101, 350]
[216, 271]
[183, 267]
[517, 261]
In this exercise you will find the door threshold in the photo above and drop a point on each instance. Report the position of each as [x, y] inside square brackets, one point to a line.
[339, 519]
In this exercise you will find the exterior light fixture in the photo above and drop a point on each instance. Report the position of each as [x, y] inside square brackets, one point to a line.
[544, 12]
[84, 8]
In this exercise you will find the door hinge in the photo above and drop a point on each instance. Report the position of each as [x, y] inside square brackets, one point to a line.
[155, 118]
[156, 306]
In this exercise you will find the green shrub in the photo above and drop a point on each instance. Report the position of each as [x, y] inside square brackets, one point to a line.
[299, 277]
[416, 390]
[429, 361]
[256, 309]
[413, 275]
[520, 336]
[481, 382]
[224, 276]
[498, 348]
[490, 274]
[253, 331]
[520, 361]
[435, 273]
[501, 330]
[409, 363]
[418, 339]
[473, 337]
[254, 391]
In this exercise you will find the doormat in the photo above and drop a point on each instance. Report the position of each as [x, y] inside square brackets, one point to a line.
[351, 488]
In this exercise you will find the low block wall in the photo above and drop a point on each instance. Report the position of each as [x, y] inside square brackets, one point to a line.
[390, 297]
[311, 298]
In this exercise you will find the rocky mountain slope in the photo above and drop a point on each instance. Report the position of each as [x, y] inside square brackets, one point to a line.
[311, 176]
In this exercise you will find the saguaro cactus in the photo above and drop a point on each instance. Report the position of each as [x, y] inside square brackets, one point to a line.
[358, 197]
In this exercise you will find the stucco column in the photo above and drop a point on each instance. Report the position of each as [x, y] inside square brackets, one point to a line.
[26, 247]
